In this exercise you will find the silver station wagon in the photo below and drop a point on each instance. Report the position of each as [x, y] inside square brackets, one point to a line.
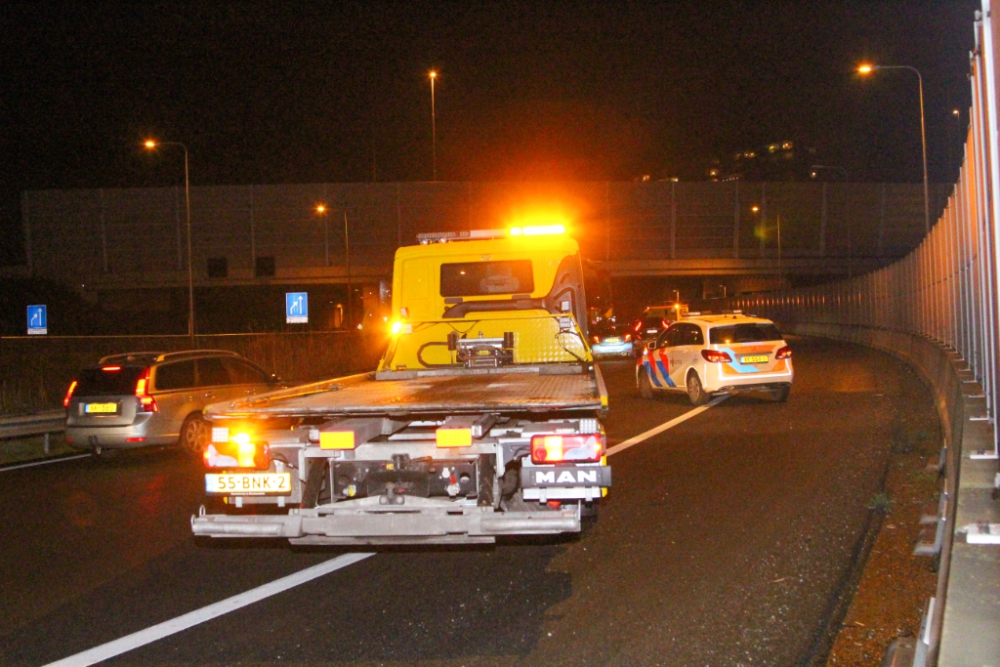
[142, 399]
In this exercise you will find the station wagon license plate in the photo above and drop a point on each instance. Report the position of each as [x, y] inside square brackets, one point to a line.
[754, 359]
[100, 408]
[249, 484]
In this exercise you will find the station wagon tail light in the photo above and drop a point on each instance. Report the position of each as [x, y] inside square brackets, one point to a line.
[783, 353]
[69, 393]
[560, 448]
[146, 402]
[240, 451]
[716, 357]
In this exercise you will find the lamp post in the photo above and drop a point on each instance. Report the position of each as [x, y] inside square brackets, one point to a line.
[868, 69]
[433, 75]
[850, 249]
[321, 210]
[152, 145]
[347, 253]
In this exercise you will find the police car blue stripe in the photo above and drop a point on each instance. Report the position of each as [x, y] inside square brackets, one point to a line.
[666, 375]
[652, 376]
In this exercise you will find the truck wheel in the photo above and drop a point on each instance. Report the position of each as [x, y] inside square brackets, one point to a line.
[194, 434]
[645, 386]
[780, 394]
[696, 393]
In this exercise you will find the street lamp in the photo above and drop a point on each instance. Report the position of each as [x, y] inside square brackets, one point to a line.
[321, 210]
[153, 145]
[868, 69]
[817, 167]
[433, 75]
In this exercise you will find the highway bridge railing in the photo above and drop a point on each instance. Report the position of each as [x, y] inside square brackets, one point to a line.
[939, 309]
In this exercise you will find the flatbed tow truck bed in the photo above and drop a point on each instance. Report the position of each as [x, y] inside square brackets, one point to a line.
[538, 388]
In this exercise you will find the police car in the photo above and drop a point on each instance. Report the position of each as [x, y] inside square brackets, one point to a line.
[704, 355]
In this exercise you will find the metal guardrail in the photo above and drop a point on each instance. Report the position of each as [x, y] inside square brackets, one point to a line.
[43, 423]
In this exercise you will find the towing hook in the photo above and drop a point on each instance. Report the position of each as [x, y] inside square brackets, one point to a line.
[391, 497]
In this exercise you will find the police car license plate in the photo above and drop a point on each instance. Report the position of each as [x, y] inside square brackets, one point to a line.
[249, 484]
[754, 359]
[100, 408]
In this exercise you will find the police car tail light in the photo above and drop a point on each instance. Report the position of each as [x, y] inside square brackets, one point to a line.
[716, 357]
[783, 353]
[628, 337]
[596, 339]
[240, 451]
[69, 393]
[560, 448]
[146, 402]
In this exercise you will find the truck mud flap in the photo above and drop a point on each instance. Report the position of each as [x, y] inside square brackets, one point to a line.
[415, 526]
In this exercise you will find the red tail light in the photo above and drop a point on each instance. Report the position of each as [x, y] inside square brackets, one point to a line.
[111, 369]
[783, 353]
[146, 402]
[628, 337]
[638, 326]
[596, 339]
[69, 393]
[558, 448]
[716, 357]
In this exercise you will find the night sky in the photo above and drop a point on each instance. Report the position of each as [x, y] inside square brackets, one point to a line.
[287, 92]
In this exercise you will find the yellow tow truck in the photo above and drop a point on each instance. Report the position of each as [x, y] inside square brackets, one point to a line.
[482, 420]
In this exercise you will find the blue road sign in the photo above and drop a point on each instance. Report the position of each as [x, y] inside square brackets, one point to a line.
[296, 307]
[38, 321]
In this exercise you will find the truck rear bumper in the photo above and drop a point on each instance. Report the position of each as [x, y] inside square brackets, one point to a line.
[419, 521]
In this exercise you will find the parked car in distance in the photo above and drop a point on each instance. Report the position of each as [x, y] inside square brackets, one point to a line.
[610, 339]
[141, 399]
[704, 355]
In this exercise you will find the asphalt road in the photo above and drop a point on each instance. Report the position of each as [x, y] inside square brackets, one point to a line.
[726, 540]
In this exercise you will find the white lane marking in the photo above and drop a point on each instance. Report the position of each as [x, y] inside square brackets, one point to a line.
[44, 463]
[173, 626]
[191, 619]
[622, 446]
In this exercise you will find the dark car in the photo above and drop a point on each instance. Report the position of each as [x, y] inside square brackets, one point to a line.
[646, 329]
[141, 399]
